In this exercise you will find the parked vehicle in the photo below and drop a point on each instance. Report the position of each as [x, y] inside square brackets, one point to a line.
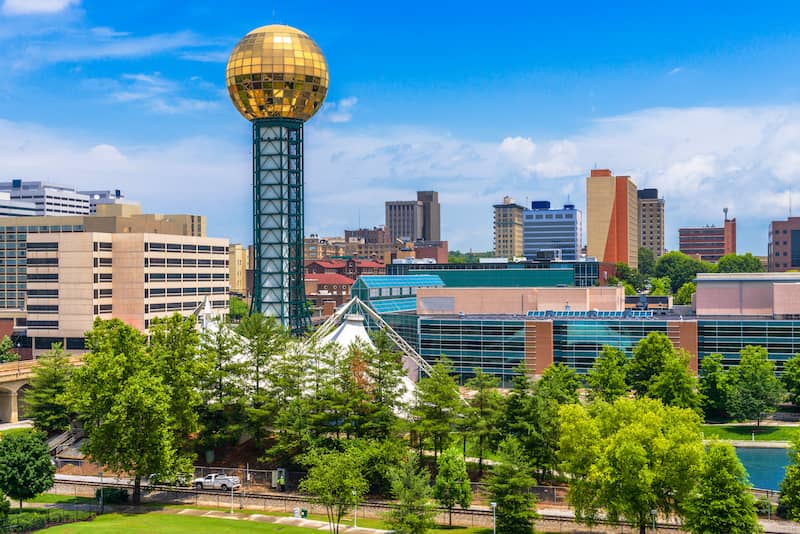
[218, 481]
[179, 479]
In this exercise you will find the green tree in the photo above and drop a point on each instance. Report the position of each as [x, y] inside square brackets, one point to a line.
[790, 485]
[680, 268]
[452, 484]
[649, 357]
[628, 458]
[5, 507]
[630, 291]
[26, 469]
[713, 386]
[660, 287]
[647, 261]
[676, 384]
[238, 309]
[124, 404]
[265, 340]
[484, 411]
[336, 481]
[755, 391]
[629, 275]
[791, 379]
[607, 377]
[7, 353]
[437, 405]
[510, 487]
[222, 389]
[174, 347]
[411, 489]
[47, 401]
[382, 372]
[722, 501]
[739, 263]
[560, 383]
[685, 292]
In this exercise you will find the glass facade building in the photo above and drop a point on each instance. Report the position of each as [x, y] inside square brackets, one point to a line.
[728, 337]
[577, 343]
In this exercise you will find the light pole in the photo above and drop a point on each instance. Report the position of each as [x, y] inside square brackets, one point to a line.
[231, 498]
[653, 513]
[494, 517]
[100, 474]
[355, 510]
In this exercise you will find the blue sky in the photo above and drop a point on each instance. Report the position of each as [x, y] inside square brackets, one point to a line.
[477, 101]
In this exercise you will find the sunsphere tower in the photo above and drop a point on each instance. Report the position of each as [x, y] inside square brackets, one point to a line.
[277, 78]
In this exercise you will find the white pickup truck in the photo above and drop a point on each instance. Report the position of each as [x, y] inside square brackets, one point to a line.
[217, 481]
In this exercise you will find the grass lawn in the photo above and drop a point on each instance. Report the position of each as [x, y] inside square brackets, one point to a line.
[765, 433]
[176, 524]
[51, 498]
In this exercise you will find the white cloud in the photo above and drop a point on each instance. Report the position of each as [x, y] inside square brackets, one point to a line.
[341, 111]
[36, 7]
[675, 71]
[701, 159]
[155, 92]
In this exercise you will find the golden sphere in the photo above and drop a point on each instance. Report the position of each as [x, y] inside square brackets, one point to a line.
[277, 71]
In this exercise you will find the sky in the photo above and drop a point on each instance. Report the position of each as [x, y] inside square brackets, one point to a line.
[474, 100]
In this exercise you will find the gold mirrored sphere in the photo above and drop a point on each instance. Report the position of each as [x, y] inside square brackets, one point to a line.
[277, 71]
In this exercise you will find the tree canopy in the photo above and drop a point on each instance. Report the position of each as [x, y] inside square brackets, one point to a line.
[754, 390]
[7, 353]
[628, 458]
[649, 358]
[681, 268]
[25, 466]
[414, 513]
[721, 501]
[607, 377]
[684, 294]
[452, 485]
[647, 261]
[47, 401]
[739, 263]
[509, 486]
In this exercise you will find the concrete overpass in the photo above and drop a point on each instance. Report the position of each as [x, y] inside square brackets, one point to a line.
[14, 378]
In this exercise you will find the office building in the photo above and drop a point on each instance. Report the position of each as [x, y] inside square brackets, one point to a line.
[404, 220]
[783, 251]
[548, 229]
[651, 221]
[15, 208]
[105, 197]
[508, 229]
[431, 215]
[62, 271]
[238, 261]
[50, 199]
[373, 235]
[74, 277]
[612, 218]
[709, 243]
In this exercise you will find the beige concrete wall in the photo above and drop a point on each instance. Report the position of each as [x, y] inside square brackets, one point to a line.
[786, 299]
[480, 300]
[128, 300]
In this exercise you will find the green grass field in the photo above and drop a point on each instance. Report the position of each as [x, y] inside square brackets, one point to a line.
[734, 432]
[178, 524]
[51, 498]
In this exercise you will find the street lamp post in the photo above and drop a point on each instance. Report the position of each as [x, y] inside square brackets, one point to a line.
[494, 517]
[231, 498]
[355, 510]
[100, 474]
[653, 513]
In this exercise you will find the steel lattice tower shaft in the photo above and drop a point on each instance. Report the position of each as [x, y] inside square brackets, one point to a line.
[278, 284]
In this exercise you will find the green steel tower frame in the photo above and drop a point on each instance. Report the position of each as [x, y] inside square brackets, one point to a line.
[278, 285]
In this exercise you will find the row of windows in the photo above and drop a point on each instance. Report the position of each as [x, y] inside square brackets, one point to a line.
[178, 291]
[41, 229]
[102, 308]
[103, 293]
[102, 246]
[42, 277]
[178, 262]
[185, 277]
[177, 306]
[177, 247]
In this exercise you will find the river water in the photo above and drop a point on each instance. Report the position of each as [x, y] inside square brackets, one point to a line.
[766, 467]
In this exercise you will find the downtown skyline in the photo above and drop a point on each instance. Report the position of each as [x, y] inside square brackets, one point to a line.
[524, 101]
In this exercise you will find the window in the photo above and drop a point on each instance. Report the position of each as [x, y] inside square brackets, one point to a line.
[43, 325]
[102, 277]
[102, 262]
[43, 293]
[42, 277]
[42, 261]
[42, 308]
[42, 246]
[173, 247]
[157, 247]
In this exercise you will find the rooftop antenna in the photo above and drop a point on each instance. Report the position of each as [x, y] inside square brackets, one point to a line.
[725, 211]
[790, 201]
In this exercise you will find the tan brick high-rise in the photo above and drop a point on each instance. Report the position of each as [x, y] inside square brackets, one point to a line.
[612, 218]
